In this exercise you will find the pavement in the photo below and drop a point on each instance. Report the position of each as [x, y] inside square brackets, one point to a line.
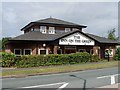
[112, 86]
[99, 78]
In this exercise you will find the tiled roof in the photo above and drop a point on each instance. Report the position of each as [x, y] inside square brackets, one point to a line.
[57, 21]
[53, 21]
[38, 36]
[101, 39]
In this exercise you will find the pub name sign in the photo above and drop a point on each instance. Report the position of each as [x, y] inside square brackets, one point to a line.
[76, 39]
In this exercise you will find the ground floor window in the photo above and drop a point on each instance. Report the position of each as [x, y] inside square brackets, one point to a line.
[27, 51]
[59, 51]
[91, 51]
[17, 51]
[42, 51]
[81, 50]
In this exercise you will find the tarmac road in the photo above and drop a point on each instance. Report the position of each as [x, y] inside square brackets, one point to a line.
[80, 79]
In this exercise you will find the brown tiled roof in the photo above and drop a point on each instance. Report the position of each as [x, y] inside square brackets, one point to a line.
[57, 21]
[54, 21]
[38, 36]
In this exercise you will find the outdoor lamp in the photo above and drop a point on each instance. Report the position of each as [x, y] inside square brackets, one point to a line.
[44, 45]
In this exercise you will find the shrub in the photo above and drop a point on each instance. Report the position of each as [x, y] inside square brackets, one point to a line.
[116, 57]
[8, 59]
[46, 60]
[94, 58]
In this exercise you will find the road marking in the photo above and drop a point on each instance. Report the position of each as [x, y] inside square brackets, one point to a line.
[112, 80]
[63, 86]
[44, 85]
[107, 76]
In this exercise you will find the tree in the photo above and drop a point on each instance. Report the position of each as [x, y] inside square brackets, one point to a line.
[5, 41]
[111, 34]
[0, 45]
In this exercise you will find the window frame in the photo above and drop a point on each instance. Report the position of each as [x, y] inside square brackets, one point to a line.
[43, 30]
[18, 49]
[32, 29]
[82, 49]
[43, 49]
[67, 29]
[74, 29]
[28, 49]
[91, 51]
[51, 30]
[60, 51]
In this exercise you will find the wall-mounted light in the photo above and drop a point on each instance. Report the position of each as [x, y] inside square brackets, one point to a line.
[44, 45]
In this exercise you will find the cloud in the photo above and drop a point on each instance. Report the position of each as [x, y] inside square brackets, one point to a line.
[99, 17]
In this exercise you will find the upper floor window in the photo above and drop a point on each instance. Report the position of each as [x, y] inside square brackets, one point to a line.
[67, 29]
[74, 29]
[43, 29]
[32, 29]
[51, 30]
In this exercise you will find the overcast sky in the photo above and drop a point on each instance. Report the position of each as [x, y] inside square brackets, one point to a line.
[99, 17]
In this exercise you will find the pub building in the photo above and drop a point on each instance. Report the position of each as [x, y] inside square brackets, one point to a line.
[54, 36]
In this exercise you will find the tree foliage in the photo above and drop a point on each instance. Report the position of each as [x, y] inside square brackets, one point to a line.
[4, 42]
[111, 34]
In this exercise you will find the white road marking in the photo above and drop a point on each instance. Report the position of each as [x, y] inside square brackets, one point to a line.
[63, 86]
[107, 76]
[44, 85]
[111, 76]
[112, 80]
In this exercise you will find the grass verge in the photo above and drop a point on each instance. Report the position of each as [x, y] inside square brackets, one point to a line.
[56, 69]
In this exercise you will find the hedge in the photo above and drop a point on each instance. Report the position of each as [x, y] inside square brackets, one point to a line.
[10, 60]
[116, 57]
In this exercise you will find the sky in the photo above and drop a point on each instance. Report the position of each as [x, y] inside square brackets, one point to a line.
[99, 17]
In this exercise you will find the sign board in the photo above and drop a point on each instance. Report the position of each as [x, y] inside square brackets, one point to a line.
[76, 39]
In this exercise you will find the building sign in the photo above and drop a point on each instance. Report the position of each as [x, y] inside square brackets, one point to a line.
[76, 39]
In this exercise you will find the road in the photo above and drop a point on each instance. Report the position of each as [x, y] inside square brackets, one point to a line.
[80, 79]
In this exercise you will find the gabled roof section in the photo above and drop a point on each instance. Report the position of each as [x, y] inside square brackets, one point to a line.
[53, 21]
[38, 36]
[101, 39]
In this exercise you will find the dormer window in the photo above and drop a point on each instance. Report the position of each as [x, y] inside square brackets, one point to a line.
[67, 29]
[43, 29]
[51, 30]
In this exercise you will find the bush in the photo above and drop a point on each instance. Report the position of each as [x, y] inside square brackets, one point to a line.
[8, 59]
[94, 58]
[46, 60]
[116, 57]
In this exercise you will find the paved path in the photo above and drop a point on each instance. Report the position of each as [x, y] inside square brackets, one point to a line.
[89, 79]
[112, 86]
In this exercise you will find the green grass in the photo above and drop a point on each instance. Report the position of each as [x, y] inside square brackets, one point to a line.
[58, 69]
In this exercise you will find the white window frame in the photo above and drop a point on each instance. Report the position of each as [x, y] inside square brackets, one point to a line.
[42, 49]
[32, 29]
[43, 30]
[18, 49]
[74, 29]
[51, 30]
[67, 29]
[28, 49]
